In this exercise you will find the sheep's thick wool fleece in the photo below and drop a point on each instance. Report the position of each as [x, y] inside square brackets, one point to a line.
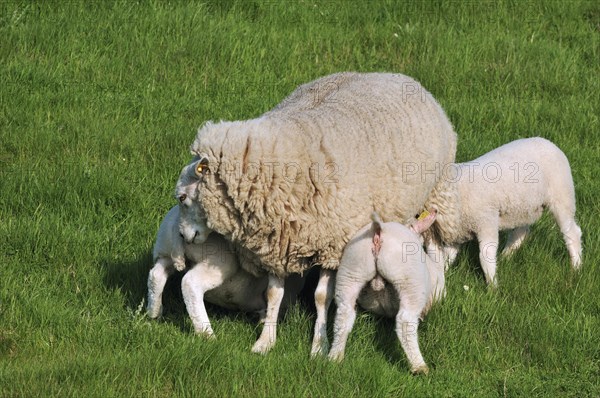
[292, 186]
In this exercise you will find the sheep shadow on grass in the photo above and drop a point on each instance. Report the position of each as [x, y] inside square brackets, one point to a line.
[130, 279]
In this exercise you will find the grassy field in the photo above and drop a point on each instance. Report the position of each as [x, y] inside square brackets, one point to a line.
[99, 102]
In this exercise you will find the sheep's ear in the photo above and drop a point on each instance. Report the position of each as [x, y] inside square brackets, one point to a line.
[423, 223]
[201, 167]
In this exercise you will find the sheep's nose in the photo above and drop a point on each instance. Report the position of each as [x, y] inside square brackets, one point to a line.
[192, 239]
[182, 237]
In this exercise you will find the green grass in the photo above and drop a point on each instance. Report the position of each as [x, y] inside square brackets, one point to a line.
[99, 102]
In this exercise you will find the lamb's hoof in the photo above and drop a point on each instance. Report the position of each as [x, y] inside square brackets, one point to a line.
[180, 267]
[420, 370]
[492, 283]
[207, 334]
[154, 313]
[319, 349]
[336, 356]
[262, 348]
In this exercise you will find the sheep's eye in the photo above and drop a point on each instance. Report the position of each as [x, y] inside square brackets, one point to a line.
[182, 198]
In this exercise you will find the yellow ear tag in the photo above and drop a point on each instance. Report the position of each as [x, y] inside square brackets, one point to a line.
[423, 215]
[200, 168]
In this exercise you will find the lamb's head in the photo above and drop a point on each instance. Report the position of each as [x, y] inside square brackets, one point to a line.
[192, 220]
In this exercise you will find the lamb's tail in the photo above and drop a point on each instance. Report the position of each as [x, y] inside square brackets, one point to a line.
[377, 284]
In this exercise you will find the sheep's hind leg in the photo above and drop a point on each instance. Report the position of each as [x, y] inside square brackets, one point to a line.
[157, 279]
[450, 253]
[571, 234]
[407, 325]
[323, 296]
[346, 294]
[267, 338]
[515, 240]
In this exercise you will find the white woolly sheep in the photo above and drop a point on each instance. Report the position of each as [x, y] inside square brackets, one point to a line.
[292, 186]
[415, 279]
[507, 189]
[214, 276]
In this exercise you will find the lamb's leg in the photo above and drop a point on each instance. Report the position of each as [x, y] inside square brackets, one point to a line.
[346, 294]
[449, 252]
[157, 279]
[407, 324]
[571, 234]
[488, 247]
[323, 296]
[413, 303]
[515, 240]
[268, 336]
[193, 286]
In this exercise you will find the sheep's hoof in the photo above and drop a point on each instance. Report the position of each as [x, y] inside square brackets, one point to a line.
[207, 334]
[420, 370]
[319, 348]
[318, 352]
[336, 356]
[262, 348]
[179, 267]
[154, 313]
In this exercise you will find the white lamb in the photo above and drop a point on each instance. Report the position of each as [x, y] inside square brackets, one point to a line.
[507, 189]
[214, 275]
[415, 279]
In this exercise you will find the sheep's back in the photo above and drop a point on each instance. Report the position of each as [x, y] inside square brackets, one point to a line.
[516, 180]
[294, 185]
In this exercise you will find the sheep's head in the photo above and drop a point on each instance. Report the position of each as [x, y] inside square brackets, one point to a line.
[192, 220]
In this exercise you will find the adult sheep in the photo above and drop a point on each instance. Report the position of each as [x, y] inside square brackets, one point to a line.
[292, 186]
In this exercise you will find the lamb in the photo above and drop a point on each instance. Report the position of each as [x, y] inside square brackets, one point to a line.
[214, 275]
[415, 279]
[291, 187]
[507, 189]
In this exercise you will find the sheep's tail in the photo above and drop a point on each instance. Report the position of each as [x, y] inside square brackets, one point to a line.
[377, 284]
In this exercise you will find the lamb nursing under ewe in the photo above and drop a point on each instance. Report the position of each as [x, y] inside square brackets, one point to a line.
[415, 280]
[289, 190]
[214, 275]
[507, 189]
[291, 187]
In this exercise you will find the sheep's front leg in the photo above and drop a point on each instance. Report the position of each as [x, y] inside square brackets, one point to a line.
[346, 293]
[407, 324]
[193, 286]
[488, 247]
[267, 338]
[157, 279]
[323, 296]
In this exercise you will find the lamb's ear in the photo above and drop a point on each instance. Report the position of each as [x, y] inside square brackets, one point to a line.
[423, 224]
